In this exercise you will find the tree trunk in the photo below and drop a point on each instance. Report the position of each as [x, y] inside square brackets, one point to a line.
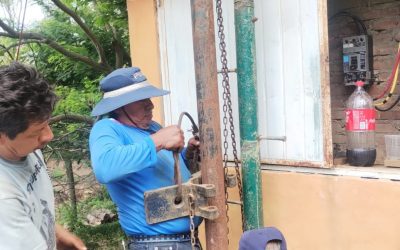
[71, 191]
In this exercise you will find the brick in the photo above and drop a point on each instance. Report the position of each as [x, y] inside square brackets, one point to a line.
[385, 128]
[340, 139]
[389, 115]
[379, 138]
[382, 4]
[397, 35]
[381, 76]
[338, 91]
[376, 90]
[336, 67]
[378, 11]
[336, 79]
[343, 30]
[338, 114]
[335, 57]
[338, 126]
[338, 103]
[335, 43]
[386, 23]
[384, 62]
[382, 47]
[381, 36]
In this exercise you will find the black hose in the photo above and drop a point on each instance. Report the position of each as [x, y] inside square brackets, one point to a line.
[390, 107]
[362, 29]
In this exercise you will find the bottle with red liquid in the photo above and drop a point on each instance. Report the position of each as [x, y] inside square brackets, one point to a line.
[360, 128]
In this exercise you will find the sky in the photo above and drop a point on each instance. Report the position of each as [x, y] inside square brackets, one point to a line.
[33, 11]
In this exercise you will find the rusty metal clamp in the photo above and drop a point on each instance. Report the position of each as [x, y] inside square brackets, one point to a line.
[168, 203]
[160, 204]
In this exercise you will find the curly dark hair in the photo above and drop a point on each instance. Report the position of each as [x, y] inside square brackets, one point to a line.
[25, 97]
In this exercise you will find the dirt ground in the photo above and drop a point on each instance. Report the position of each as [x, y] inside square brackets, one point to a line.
[85, 182]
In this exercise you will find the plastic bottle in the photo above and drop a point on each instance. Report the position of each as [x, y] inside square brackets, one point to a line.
[360, 128]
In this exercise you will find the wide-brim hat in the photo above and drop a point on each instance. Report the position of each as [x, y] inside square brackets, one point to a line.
[124, 86]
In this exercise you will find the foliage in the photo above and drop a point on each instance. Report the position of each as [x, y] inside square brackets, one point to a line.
[77, 43]
[104, 236]
[93, 36]
[57, 174]
[78, 101]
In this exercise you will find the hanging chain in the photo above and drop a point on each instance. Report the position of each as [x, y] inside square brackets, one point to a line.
[227, 108]
[191, 217]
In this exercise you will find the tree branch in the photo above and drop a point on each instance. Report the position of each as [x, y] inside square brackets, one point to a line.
[23, 42]
[76, 118]
[41, 39]
[85, 28]
[7, 51]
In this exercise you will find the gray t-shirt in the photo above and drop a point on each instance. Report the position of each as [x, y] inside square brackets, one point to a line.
[26, 205]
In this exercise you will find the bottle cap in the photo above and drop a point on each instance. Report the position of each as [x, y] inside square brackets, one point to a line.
[359, 83]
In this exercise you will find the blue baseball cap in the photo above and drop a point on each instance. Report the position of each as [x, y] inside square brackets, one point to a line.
[124, 86]
[257, 239]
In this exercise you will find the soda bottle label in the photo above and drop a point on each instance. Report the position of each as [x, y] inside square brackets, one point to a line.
[360, 119]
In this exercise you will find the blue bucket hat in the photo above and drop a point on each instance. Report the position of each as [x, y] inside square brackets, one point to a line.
[257, 239]
[124, 86]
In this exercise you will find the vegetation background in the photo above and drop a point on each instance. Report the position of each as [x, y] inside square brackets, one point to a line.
[75, 44]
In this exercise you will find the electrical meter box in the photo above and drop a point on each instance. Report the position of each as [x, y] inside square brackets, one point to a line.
[357, 52]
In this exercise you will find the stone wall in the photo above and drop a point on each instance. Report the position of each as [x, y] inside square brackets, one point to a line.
[382, 20]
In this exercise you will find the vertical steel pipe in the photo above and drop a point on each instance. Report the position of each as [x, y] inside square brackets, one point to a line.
[209, 119]
[250, 150]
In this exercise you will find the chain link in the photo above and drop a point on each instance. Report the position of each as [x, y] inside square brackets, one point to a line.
[191, 217]
[227, 108]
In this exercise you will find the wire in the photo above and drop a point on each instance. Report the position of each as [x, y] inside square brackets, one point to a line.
[390, 107]
[393, 84]
[362, 29]
[392, 75]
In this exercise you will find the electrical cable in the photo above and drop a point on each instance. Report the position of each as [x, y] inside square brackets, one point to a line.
[390, 107]
[394, 103]
[390, 80]
[362, 29]
[393, 83]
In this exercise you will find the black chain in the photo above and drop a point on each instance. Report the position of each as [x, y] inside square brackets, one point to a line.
[191, 217]
[227, 108]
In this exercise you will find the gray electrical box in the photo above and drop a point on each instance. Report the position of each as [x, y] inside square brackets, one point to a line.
[357, 51]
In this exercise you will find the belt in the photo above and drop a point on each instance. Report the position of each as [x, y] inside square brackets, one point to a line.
[160, 237]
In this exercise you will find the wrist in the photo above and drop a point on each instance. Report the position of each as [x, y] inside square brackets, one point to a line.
[157, 142]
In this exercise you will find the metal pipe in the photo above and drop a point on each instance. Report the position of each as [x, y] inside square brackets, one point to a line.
[209, 120]
[250, 150]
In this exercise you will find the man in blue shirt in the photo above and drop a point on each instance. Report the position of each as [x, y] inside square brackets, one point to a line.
[132, 154]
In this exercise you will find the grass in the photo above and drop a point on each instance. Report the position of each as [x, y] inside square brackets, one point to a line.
[104, 236]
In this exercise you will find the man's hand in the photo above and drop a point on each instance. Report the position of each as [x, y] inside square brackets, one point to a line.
[68, 241]
[170, 138]
[193, 147]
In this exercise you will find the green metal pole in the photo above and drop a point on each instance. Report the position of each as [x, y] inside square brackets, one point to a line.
[250, 150]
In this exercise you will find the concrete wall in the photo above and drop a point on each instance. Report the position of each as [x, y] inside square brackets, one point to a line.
[382, 19]
[318, 212]
[143, 38]
[332, 212]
